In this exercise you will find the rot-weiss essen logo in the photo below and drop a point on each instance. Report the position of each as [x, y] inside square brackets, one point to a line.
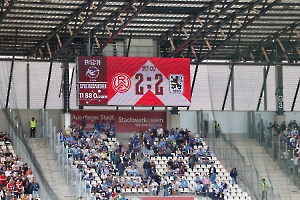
[121, 82]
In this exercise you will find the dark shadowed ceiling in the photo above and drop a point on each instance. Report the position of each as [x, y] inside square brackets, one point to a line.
[236, 30]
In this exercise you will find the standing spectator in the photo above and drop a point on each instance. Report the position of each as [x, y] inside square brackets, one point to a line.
[105, 126]
[2, 180]
[121, 168]
[217, 129]
[160, 133]
[10, 186]
[212, 173]
[32, 124]
[206, 184]
[234, 176]
[83, 122]
[113, 128]
[154, 129]
[165, 186]
[205, 128]
[97, 126]
[35, 189]
[147, 168]
[68, 131]
[261, 128]
[295, 165]
[264, 189]
[19, 187]
[154, 186]
[283, 127]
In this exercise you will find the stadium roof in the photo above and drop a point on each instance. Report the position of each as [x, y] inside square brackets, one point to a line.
[237, 30]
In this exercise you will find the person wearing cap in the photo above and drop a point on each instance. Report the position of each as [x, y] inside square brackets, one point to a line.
[264, 189]
[32, 124]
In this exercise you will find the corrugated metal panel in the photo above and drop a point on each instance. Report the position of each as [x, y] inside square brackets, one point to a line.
[291, 76]
[217, 76]
[38, 76]
[18, 95]
[201, 89]
[248, 81]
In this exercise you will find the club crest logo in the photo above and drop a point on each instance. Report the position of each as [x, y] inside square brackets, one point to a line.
[121, 82]
[92, 72]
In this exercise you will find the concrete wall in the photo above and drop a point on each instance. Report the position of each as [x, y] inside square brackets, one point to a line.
[231, 122]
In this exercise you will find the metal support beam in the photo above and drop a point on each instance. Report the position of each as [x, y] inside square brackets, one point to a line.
[11, 71]
[28, 85]
[71, 82]
[66, 86]
[112, 17]
[296, 94]
[192, 37]
[193, 82]
[75, 33]
[11, 5]
[48, 84]
[194, 79]
[246, 24]
[277, 35]
[116, 33]
[228, 86]
[180, 26]
[63, 25]
[232, 88]
[129, 43]
[285, 52]
[262, 91]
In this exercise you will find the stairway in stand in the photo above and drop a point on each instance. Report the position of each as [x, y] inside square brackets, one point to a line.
[267, 168]
[50, 169]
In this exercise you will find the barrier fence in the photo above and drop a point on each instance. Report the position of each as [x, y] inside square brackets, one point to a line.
[23, 149]
[279, 146]
[230, 157]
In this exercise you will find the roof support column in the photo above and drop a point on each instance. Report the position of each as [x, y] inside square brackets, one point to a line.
[66, 87]
[279, 89]
[279, 117]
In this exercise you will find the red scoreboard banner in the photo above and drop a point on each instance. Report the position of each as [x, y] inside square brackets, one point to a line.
[92, 84]
[125, 121]
[134, 81]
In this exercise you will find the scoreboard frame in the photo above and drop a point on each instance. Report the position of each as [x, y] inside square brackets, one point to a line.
[133, 81]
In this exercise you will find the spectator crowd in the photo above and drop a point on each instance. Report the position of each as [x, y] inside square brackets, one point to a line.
[16, 178]
[110, 168]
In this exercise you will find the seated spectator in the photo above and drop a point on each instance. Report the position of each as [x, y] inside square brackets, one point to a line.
[198, 188]
[184, 183]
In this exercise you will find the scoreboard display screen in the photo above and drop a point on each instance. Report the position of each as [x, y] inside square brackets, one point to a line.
[133, 81]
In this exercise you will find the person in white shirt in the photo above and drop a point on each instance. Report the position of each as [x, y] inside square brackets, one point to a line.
[295, 165]
[154, 186]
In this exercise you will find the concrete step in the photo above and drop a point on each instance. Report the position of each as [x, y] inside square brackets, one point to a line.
[267, 168]
[49, 166]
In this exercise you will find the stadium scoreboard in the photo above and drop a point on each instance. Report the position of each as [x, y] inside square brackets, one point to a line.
[133, 81]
